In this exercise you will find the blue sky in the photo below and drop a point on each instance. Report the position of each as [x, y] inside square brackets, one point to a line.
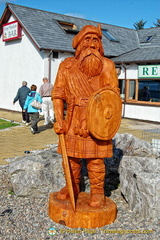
[122, 13]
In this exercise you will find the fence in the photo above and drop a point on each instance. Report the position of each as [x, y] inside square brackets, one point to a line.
[153, 137]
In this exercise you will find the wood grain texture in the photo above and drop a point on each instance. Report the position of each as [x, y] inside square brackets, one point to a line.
[87, 83]
[85, 216]
[104, 113]
[67, 170]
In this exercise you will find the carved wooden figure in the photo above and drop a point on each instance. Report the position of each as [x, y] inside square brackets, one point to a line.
[88, 84]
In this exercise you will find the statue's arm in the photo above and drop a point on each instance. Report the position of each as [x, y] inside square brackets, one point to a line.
[59, 125]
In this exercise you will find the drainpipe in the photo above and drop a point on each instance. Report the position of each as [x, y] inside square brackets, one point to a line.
[49, 65]
[125, 77]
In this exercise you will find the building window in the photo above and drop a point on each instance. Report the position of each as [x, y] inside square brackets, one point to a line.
[68, 27]
[128, 89]
[108, 35]
[122, 89]
[55, 54]
[147, 39]
[132, 89]
[149, 90]
[137, 90]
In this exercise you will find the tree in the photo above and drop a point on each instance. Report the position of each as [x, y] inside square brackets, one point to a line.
[158, 23]
[139, 25]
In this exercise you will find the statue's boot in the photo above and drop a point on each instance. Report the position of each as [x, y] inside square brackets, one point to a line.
[75, 167]
[96, 173]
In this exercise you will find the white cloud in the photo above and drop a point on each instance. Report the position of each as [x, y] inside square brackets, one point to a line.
[77, 15]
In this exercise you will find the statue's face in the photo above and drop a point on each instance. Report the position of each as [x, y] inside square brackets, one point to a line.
[89, 57]
[91, 41]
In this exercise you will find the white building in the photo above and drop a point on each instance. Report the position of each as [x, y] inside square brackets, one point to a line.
[33, 43]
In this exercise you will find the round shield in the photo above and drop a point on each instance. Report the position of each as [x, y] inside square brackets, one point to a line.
[104, 113]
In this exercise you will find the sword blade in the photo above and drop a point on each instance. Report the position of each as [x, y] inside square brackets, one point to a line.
[67, 171]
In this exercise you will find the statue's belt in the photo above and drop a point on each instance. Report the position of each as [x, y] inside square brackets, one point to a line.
[81, 102]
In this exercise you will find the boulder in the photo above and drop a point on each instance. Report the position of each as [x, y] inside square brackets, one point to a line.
[132, 146]
[37, 174]
[139, 176]
[140, 185]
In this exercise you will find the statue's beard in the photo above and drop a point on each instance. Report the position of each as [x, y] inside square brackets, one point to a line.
[90, 62]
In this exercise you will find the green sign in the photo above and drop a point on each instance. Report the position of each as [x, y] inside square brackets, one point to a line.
[149, 71]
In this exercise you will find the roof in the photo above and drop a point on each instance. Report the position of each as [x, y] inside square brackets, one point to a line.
[45, 31]
[143, 54]
[148, 51]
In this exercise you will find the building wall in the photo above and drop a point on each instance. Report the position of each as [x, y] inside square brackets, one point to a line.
[22, 61]
[129, 71]
[55, 64]
[141, 112]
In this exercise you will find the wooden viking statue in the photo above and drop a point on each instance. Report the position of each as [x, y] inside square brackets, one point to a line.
[88, 84]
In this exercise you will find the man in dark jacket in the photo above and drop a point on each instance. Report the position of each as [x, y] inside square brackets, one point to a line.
[146, 94]
[21, 96]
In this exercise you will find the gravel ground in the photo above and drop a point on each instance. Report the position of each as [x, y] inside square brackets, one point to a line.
[26, 219]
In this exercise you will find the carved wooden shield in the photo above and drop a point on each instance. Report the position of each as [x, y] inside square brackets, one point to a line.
[104, 113]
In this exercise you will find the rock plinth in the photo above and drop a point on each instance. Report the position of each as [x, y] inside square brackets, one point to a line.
[139, 176]
[37, 174]
[135, 165]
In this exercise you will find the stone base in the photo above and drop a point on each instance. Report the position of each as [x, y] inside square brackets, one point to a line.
[85, 216]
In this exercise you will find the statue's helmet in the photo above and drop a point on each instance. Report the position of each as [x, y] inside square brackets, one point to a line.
[87, 29]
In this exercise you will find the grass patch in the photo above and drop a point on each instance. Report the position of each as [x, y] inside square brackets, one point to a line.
[11, 192]
[7, 124]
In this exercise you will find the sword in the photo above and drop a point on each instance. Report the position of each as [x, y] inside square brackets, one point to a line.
[67, 171]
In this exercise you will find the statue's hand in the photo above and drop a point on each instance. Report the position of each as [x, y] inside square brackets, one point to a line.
[60, 127]
[82, 130]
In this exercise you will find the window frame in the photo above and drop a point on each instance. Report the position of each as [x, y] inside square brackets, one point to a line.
[146, 40]
[67, 27]
[109, 35]
[135, 100]
[127, 90]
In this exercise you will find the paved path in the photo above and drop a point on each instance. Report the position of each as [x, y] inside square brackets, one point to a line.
[16, 140]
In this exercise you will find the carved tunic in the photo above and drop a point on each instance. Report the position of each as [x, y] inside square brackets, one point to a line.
[74, 88]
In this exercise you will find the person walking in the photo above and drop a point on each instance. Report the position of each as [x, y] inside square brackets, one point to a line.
[33, 112]
[47, 105]
[21, 96]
